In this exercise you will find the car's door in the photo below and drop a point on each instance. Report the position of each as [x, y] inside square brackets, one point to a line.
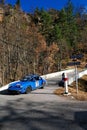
[40, 81]
[37, 81]
[33, 83]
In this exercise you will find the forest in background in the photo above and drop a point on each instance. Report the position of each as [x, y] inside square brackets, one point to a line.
[40, 42]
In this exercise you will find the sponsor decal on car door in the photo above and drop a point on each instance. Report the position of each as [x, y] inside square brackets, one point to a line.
[37, 83]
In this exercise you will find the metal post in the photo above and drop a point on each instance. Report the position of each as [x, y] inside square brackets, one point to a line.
[76, 78]
[65, 84]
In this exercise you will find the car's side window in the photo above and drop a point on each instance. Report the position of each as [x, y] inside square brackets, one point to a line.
[36, 78]
[40, 78]
[33, 79]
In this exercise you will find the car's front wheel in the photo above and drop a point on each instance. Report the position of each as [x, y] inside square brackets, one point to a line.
[28, 90]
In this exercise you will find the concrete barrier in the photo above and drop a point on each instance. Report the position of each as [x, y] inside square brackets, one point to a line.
[52, 75]
[5, 87]
[82, 73]
[73, 78]
[48, 76]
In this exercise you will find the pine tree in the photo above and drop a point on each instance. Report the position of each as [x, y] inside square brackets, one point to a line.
[46, 25]
[2, 2]
[71, 25]
[18, 3]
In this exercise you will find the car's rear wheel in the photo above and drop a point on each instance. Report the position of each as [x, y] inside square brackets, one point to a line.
[28, 90]
[43, 85]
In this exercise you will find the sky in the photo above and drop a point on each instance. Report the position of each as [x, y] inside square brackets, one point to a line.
[30, 5]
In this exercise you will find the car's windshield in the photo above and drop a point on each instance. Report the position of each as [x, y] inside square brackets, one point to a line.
[26, 78]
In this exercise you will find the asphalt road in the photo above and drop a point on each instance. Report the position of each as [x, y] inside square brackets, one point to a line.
[42, 110]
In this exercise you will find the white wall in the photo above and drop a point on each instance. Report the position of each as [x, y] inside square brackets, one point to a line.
[71, 79]
[47, 76]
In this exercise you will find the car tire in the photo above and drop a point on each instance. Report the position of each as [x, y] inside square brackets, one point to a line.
[28, 90]
[42, 87]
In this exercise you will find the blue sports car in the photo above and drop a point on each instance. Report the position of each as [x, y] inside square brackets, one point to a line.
[27, 84]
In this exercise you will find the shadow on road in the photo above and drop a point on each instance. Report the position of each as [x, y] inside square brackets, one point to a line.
[81, 119]
[21, 114]
[36, 116]
[4, 92]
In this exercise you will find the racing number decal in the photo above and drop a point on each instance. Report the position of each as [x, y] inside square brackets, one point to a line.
[37, 83]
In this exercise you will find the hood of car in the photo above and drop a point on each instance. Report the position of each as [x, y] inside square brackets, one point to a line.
[17, 84]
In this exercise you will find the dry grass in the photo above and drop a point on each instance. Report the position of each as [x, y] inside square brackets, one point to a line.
[82, 89]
